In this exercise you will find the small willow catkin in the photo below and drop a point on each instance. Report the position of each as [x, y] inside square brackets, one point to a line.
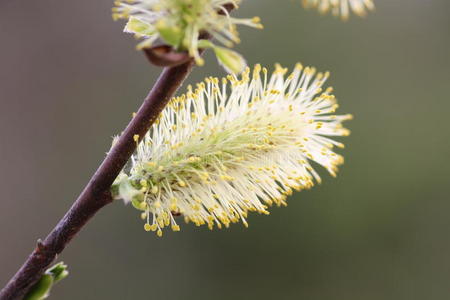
[341, 8]
[180, 24]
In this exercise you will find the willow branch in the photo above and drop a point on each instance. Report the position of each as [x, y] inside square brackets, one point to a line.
[97, 194]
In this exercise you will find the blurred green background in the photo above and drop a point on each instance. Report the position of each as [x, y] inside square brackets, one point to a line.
[70, 79]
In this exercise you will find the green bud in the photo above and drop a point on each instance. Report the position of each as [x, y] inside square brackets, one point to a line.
[171, 34]
[232, 61]
[58, 271]
[41, 289]
[139, 27]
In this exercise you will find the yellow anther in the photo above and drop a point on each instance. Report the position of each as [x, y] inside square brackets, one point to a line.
[154, 189]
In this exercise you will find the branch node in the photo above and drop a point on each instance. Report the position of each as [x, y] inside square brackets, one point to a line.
[40, 247]
[166, 56]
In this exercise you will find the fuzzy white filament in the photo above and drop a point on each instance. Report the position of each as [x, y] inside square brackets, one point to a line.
[341, 8]
[232, 146]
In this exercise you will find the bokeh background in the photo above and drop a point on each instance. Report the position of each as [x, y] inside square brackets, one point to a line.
[70, 79]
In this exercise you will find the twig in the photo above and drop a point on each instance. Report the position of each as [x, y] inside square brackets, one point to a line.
[96, 193]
